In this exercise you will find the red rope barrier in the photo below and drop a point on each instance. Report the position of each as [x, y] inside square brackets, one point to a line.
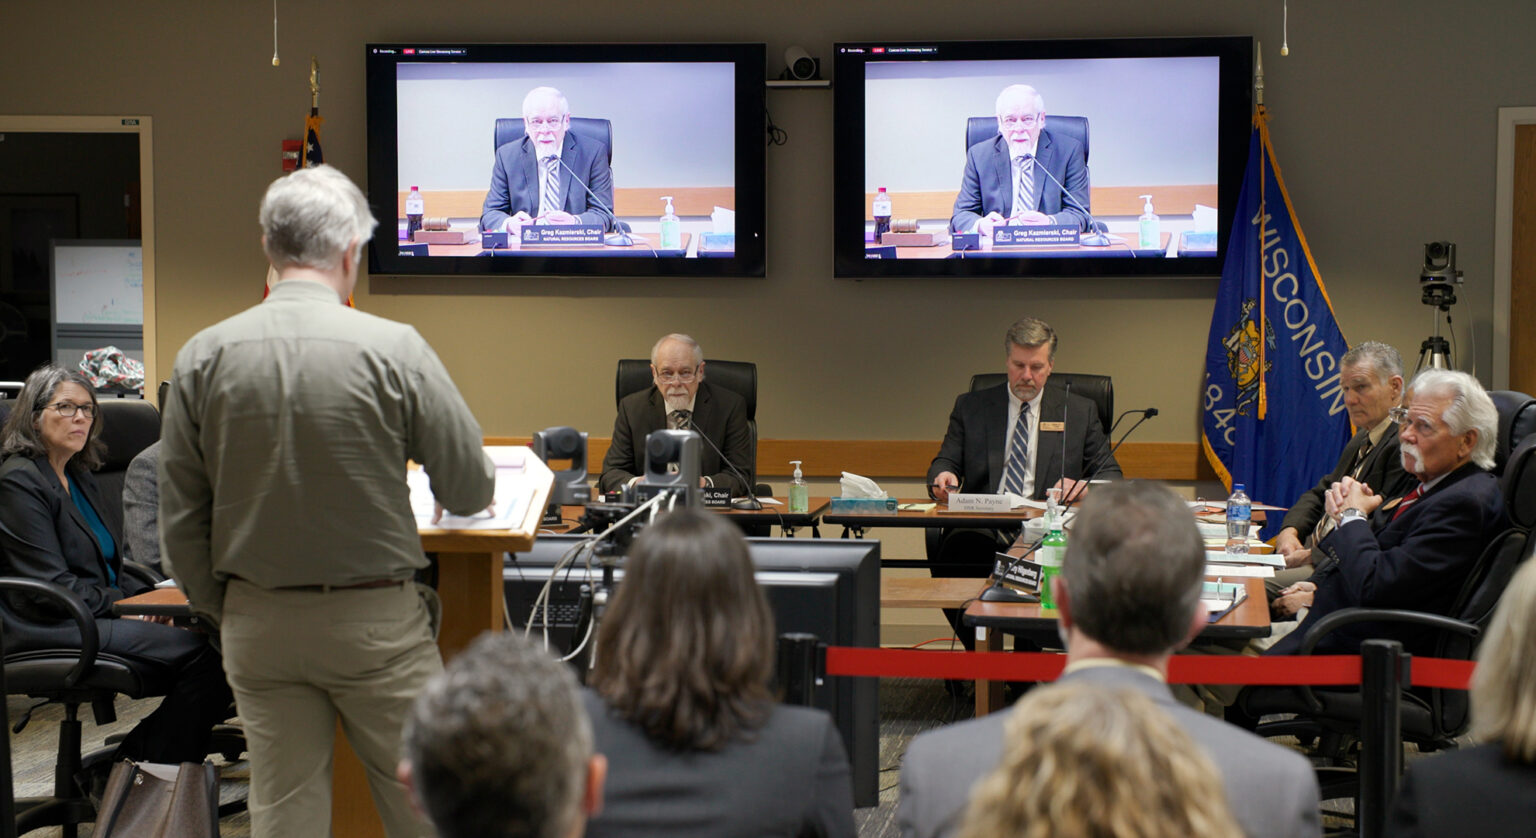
[1317, 670]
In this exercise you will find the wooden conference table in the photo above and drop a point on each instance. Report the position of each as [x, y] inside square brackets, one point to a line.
[770, 515]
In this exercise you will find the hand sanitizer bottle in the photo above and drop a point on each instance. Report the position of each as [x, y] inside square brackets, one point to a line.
[799, 493]
[671, 228]
[1149, 226]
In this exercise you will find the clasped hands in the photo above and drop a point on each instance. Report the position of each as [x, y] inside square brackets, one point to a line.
[995, 219]
[1349, 493]
[521, 218]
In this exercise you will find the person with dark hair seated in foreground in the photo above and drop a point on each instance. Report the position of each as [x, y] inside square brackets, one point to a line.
[52, 529]
[498, 746]
[1489, 788]
[680, 705]
[1082, 761]
[1129, 596]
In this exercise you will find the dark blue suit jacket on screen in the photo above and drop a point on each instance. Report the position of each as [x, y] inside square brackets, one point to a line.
[515, 182]
[988, 182]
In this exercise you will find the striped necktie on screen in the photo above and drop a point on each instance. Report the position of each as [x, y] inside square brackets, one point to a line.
[1018, 454]
[551, 196]
[1026, 166]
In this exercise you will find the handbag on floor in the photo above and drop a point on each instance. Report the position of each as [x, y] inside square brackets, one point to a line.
[153, 800]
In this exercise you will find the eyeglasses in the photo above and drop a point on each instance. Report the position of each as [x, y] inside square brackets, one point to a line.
[1398, 414]
[1422, 426]
[684, 376]
[1028, 121]
[539, 122]
[68, 409]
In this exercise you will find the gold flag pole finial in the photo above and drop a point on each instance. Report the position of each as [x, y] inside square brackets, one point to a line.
[1258, 74]
[314, 83]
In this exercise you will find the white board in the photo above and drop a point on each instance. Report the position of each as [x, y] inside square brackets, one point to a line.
[99, 283]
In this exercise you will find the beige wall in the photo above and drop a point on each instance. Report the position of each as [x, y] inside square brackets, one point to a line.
[1383, 116]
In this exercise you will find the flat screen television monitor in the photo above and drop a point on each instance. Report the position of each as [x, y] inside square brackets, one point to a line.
[829, 588]
[645, 122]
[1006, 158]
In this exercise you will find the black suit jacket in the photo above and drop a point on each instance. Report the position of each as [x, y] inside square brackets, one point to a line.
[1382, 471]
[515, 182]
[717, 413]
[1417, 562]
[791, 779]
[987, 185]
[43, 536]
[973, 447]
[1473, 791]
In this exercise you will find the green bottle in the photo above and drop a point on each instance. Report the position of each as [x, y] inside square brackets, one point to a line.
[1053, 548]
[799, 493]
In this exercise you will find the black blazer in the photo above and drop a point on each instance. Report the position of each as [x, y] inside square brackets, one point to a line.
[1382, 471]
[1418, 562]
[717, 413]
[43, 536]
[1473, 791]
[791, 779]
[973, 447]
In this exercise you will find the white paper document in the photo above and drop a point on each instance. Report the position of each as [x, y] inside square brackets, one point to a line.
[519, 477]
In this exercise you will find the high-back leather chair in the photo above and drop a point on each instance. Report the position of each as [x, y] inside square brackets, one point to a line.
[1099, 389]
[510, 130]
[128, 426]
[1517, 418]
[740, 377]
[982, 128]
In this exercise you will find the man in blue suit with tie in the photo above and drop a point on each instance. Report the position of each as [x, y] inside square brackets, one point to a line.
[1017, 176]
[544, 177]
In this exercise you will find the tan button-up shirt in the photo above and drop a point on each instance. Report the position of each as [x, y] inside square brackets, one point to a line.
[285, 437]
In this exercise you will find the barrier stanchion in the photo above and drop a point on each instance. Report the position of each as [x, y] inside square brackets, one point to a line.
[1383, 672]
[800, 665]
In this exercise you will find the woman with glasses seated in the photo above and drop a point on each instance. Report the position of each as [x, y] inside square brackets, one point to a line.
[52, 529]
[680, 705]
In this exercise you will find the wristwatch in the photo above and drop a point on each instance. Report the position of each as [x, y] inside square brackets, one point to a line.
[1351, 514]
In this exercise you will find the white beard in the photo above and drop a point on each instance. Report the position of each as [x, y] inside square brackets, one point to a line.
[1412, 460]
[675, 402]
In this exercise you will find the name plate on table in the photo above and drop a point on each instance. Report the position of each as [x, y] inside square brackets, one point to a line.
[412, 249]
[1035, 234]
[965, 241]
[975, 502]
[716, 498]
[562, 234]
[494, 240]
[1020, 574]
[880, 252]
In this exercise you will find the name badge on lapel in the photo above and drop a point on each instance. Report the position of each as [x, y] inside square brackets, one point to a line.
[1048, 427]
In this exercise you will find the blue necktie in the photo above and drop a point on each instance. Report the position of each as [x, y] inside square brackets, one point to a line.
[1018, 454]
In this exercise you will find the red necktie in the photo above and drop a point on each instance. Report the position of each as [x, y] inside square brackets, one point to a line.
[1408, 500]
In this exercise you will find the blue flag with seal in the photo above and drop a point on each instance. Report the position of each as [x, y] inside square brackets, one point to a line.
[1274, 417]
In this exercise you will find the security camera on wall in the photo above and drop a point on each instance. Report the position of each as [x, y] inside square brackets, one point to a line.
[800, 66]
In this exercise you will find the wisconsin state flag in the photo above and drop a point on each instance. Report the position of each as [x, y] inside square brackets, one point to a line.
[1274, 417]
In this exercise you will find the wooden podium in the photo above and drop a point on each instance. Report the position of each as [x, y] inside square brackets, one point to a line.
[469, 564]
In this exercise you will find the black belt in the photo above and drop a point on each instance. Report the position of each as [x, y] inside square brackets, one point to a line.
[375, 583]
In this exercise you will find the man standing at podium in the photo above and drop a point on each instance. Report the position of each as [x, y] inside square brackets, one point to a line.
[1017, 176]
[681, 400]
[285, 513]
[543, 177]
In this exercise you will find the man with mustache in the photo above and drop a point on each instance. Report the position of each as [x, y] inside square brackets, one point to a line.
[539, 178]
[681, 399]
[1414, 551]
[1006, 180]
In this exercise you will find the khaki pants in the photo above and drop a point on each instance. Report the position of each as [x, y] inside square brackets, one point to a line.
[297, 660]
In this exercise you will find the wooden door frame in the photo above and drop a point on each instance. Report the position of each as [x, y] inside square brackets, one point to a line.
[1503, 245]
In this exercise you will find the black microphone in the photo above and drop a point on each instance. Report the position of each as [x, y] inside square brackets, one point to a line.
[1104, 458]
[621, 238]
[753, 503]
[999, 593]
[1093, 239]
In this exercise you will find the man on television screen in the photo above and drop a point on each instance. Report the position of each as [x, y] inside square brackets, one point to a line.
[1017, 177]
[544, 176]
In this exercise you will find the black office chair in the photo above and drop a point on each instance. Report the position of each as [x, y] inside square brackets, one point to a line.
[1517, 419]
[128, 426]
[1100, 389]
[1431, 718]
[979, 129]
[740, 377]
[511, 130]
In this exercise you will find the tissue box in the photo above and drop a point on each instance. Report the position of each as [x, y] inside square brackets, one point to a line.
[862, 506]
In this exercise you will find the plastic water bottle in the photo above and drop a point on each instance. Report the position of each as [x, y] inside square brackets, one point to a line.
[882, 212]
[1053, 549]
[1239, 514]
[799, 493]
[415, 208]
